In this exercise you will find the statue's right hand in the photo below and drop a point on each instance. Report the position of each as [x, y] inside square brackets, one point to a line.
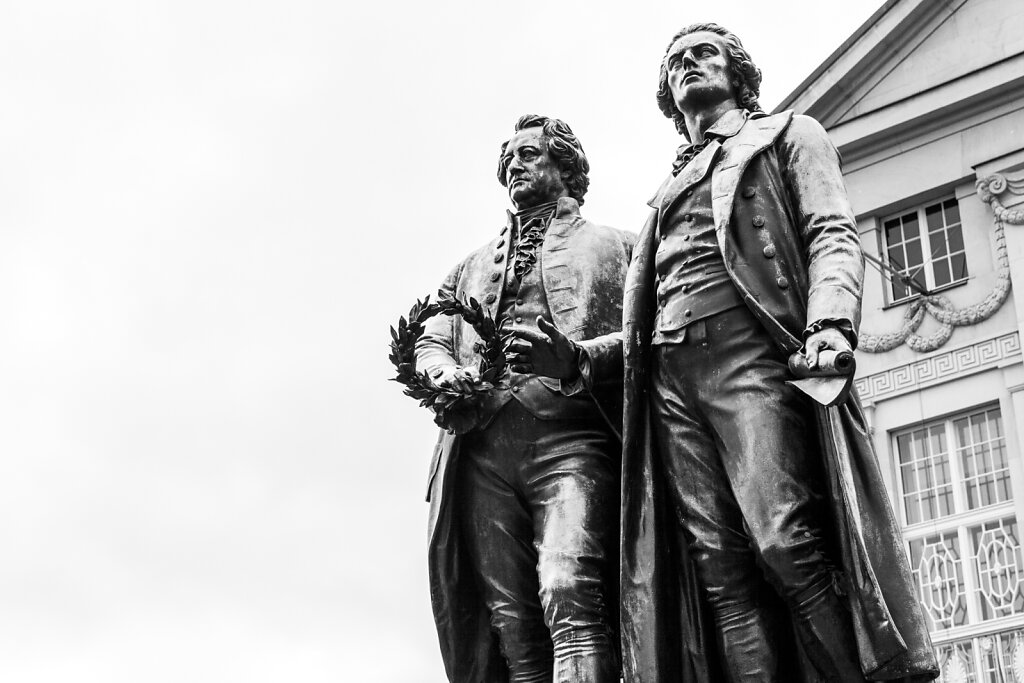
[453, 378]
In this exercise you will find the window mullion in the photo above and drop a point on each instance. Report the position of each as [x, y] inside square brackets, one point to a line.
[967, 561]
[927, 265]
[955, 469]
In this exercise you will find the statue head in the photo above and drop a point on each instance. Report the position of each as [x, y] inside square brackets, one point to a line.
[542, 162]
[745, 77]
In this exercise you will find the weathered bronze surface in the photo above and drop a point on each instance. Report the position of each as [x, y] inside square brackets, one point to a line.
[524, 504]
[758, 543]
[751, 513]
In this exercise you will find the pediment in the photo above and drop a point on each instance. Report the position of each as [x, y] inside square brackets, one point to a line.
[910, 47]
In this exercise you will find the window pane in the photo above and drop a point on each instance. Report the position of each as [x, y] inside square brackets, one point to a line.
[959, 266]
[914, 256]
[955, 237]
[893, 233]
[982, 451]
[910, 228]
[926, 474]
[951, 207]
[937, 569]
[896, 258]
[933, 215]
[919, 279]
[942, 274]
[999, 568]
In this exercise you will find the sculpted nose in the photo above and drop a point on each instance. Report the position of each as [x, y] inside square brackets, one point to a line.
[688, 61]
[515, 168]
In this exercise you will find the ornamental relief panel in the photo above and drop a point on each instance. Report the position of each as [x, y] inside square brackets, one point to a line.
[939, 307]
[961, 362]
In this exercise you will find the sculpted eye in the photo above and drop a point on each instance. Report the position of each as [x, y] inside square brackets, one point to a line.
[674, 62]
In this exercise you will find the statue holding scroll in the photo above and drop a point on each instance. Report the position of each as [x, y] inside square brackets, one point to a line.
[758, 543]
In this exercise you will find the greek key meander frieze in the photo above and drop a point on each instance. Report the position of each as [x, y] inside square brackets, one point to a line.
[939, 307]
[940, 368]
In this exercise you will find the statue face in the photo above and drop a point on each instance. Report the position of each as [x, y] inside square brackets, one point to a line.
[698, 71]
[532, 176]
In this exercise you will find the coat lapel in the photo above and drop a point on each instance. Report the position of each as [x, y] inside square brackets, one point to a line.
[754, 137]
[691, 175]
[560, 278]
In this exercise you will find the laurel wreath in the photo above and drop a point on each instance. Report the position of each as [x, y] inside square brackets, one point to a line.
[453, 410]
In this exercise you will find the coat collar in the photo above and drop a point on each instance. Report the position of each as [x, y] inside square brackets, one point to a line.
[727, 126]
[566, 208]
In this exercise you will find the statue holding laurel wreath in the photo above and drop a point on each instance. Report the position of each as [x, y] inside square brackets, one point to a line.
[524, 486]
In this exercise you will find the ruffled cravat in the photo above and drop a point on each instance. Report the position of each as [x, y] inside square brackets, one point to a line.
[686, 153]
[533, 223]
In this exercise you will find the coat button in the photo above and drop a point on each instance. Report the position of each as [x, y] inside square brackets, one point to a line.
[688, 217]
[783, 283]
[498, 258]
[491, 298]
[503, 230]
[519, 302]
[748, 192]
[500, 243]
[519, 318]
[686, 237]
[769, 251]
[515, 390]
[495, 277]
[686, 288]
[687, 312]
[758, 221]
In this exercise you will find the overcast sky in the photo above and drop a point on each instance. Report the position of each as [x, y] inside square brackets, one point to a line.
[210, 214]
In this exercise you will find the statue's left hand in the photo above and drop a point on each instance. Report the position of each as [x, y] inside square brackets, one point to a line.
[550, 354]
[825, 339]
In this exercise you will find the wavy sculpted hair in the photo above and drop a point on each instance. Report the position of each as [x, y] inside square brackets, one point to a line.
[746, 76]
[565, 149]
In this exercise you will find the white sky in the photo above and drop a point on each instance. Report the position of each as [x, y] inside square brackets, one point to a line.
[210, 214]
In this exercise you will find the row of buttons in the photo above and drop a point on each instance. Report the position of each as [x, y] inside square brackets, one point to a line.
[769, 250]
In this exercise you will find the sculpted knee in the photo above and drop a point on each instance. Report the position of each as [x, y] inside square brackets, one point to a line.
[567, 592]
[793, 564]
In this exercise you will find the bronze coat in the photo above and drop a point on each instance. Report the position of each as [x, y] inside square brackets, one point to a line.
[790, 245]
[583, 269]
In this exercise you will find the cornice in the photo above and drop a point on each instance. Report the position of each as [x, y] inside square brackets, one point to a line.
[889, 34]
[981, 92]
[940, 368]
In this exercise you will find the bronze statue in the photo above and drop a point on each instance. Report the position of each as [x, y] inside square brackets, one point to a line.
[758, 543]
[524, 505]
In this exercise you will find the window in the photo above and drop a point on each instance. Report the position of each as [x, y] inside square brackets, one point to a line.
[963, 541]
[926, 247]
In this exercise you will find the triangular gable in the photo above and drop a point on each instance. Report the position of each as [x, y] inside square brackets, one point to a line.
[908, 47]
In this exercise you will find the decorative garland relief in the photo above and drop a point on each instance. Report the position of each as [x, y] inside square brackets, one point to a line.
[939, 307]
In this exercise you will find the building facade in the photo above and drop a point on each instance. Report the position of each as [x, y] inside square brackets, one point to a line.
[926, 105]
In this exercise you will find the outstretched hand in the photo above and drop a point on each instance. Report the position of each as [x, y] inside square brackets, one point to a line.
[548, 353]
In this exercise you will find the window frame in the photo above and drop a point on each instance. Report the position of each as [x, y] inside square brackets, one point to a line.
[928, 263]
[961, 523]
